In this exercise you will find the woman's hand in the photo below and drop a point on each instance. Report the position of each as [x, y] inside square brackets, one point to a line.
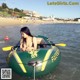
[23, 49]
[30, 49]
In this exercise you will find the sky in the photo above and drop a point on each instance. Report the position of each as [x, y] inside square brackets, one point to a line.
[40, 6]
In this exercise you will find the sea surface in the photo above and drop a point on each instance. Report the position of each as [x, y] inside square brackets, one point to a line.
[69, 67]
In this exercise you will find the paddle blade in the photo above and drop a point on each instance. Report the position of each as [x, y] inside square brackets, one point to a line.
[61, 44]
[7, 48]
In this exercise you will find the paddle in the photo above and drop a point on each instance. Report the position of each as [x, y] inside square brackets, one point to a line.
[59, 44]
[8, 48]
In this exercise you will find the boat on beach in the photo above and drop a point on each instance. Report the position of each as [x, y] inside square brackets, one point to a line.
[42, 60]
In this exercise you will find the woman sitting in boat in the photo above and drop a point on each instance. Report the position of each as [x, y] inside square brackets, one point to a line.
[28, 42]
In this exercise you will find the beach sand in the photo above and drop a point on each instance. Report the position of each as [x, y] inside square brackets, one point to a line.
[19, 21]
[11, 21]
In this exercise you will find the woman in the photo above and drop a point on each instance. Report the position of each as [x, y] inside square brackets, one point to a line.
[28, 42]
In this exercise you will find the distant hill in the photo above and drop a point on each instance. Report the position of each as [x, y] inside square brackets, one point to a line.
[5, 11]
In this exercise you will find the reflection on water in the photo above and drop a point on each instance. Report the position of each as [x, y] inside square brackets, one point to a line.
[69, 67]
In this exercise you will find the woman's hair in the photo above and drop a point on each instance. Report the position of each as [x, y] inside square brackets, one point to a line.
[26, 31]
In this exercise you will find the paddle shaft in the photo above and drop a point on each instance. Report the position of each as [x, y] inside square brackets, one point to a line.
[46, 44]
[41, 45]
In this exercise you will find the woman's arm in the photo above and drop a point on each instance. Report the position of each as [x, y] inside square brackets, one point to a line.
[35, 43]
[22, 45]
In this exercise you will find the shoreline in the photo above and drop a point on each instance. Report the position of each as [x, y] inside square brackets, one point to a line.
[19, 21]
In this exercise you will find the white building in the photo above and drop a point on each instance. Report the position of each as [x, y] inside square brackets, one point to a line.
[78, 20]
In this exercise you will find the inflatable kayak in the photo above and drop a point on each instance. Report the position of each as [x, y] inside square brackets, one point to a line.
[44, 60]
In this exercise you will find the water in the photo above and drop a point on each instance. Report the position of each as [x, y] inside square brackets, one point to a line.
[69, 67]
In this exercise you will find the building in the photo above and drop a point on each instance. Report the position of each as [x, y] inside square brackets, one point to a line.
[77, 19]
[31, 13]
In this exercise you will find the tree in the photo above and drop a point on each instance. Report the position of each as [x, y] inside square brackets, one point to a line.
[40, 17]
[22, 14]
[4, 5]
[16, 9]
[0, 8]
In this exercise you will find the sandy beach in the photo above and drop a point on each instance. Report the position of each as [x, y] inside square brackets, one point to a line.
[11, 21]
[20, 21]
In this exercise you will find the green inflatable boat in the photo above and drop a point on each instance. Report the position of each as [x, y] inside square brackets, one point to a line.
[43, 60]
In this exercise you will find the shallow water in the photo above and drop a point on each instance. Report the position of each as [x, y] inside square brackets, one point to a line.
[69, 67]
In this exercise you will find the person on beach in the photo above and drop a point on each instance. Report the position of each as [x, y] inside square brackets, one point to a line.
[28, 42]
